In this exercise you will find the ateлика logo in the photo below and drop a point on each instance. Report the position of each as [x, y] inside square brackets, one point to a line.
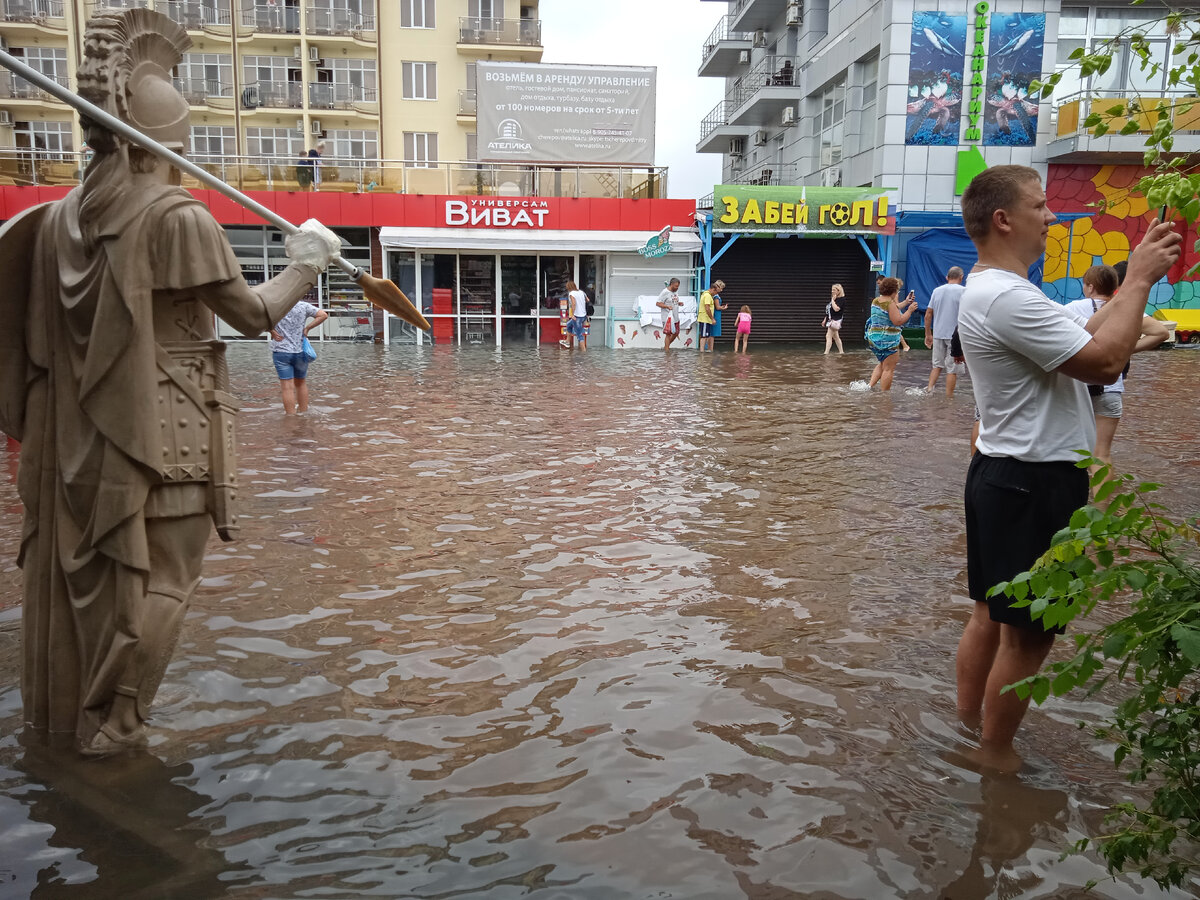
[509, 140]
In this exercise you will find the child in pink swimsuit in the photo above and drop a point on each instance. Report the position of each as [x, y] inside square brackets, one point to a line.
[743, 329]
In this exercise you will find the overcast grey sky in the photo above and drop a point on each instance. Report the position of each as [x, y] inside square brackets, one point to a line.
[668, 34]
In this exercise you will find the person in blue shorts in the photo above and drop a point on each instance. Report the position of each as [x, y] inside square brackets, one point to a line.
[577, 324]
[287, 352]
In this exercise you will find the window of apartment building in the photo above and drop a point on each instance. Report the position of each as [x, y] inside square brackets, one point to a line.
[830, 126]
[485, 9]
[420, 149]
[210, 74]
[1107, 30]
[52, 137]
[417, 14]
[472, 146]
[869, 69]
[267, 69]
[50, 61]
[359, 73]
[210, 141]
[274, 142]
[420, 80]
[352, 143]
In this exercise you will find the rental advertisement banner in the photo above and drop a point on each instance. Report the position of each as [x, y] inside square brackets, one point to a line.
[802, 210]
[1014, 60]
[935, 79]
[534, 112]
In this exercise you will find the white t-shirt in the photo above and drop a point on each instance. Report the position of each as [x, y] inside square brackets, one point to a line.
[1085, 309]
[1014, 337]
[579, 298]
[944, 302]
[671, 298]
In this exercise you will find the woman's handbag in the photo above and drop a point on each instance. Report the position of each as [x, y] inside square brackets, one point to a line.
[307, 348]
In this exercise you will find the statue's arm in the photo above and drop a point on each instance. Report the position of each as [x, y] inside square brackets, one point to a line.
[253, 310]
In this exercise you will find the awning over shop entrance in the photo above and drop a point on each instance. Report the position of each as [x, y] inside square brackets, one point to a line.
[529, 240]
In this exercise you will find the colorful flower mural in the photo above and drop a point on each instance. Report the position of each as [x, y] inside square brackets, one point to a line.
[1120, 218]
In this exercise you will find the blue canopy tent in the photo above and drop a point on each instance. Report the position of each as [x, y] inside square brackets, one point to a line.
[944, 243]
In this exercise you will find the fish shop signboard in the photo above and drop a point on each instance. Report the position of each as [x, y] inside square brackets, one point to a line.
[785, 209]
[530, 112]
[1008, 48]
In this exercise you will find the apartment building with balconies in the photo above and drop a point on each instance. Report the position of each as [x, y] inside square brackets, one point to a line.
[269, 79]
[836, 93]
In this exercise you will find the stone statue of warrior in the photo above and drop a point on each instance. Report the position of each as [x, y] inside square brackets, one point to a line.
[112, 380]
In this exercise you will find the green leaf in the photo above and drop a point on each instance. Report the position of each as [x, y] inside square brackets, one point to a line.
[1188, 640]
[1040, 690]
[1115, 644]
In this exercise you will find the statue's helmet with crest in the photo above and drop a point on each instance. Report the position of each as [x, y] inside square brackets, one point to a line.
[126, 70]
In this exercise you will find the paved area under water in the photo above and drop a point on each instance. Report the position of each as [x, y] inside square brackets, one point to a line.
[622, 625]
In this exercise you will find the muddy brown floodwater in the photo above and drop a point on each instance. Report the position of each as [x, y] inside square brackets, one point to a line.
[525, 624]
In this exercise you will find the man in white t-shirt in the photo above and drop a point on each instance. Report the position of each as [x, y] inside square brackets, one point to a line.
[941, 318]
[668, 302]
[1030, 361]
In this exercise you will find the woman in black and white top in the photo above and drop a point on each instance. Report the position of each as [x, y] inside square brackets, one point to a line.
[834, 311]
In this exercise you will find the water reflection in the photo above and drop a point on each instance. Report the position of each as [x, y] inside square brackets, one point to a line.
[621, 625]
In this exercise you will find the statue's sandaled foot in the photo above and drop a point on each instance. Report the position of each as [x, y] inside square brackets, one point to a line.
[109, 742]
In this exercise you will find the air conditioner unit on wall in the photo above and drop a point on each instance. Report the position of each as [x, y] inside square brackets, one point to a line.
[300, 125]
[760, 138]
[744, 58]
[832, 177]
[5, 117]
[788, 117]
[314, 52]
[760, 38]
[737, 146]
[297, 52]
[794, 15]
[316, 126]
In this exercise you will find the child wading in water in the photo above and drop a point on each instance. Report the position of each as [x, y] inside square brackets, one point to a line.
[743, 329]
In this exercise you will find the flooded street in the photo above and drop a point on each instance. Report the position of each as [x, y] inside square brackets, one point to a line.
[614, 625]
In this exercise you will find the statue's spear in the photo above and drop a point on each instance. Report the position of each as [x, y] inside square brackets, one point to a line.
[384, 294]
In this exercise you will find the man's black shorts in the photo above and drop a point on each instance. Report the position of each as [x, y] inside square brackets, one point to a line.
[1014, 509]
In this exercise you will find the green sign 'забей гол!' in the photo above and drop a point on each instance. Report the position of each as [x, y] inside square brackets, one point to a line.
[788, 209]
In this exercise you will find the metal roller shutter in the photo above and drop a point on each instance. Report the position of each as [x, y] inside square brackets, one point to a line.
[786, 283]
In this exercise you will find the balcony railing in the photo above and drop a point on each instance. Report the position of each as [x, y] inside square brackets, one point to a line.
[1071, 111]
[346, 174]
[769, 173]
[722, 33]
[32, 10]
[717, 116]
[340, 96]
[13, 87]
[467, 103]
[198, 90]
[100, 5]
[194, 14]
[770, 71]
[487, 30]
[275, 94]
[338, 20]
[37, 167]
[274, 18]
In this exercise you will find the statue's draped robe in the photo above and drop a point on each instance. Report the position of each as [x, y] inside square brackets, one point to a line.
[91, 447]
